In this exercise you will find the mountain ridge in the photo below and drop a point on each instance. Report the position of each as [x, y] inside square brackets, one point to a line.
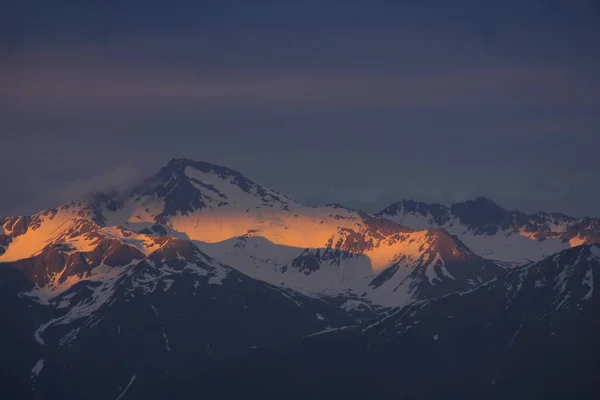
[494, 232]
[219, 209]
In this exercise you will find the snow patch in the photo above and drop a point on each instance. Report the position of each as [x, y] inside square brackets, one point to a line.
[539, 283]
[430, 269]
[154, 309]
[512, 341]
[329, 330]
[70, 336]
[219, 276]
[126, 388]
[351, 305]
[166, 341]
[168, 284]
[595, 250]
[588, 280]
[447, 273]
[37, 368]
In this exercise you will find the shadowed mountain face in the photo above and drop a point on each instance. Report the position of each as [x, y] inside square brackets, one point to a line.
[20, 317]
[198, 266]
[529, 334]
[174, 310]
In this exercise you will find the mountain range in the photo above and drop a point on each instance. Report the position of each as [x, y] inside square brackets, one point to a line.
[200, 282]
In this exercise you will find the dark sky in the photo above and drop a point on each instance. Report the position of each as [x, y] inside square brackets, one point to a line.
[357, 102]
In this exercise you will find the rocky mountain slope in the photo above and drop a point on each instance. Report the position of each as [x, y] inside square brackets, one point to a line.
[172, 310]
[532, 333]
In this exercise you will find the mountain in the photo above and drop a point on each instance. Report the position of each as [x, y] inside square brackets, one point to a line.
[319, 251]
[199, 281]
[174, 310]
[492, 232]
[195, 265]
[532, 333]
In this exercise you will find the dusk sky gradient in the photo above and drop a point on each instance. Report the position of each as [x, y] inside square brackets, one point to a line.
[356, 102]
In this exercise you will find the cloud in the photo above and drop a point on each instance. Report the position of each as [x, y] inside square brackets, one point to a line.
[288, 69]
[115, 178]
[30, 192]
[107, 88]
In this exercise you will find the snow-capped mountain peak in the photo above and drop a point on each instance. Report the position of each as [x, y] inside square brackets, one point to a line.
[186, 186]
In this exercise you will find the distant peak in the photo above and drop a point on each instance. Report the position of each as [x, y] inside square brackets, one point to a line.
[480, 203]
[483, 200]
[406, 202]
[336, 205]
[394, 208]
[177, 167]
[409, 201]
[186, 184]
[180, 163]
